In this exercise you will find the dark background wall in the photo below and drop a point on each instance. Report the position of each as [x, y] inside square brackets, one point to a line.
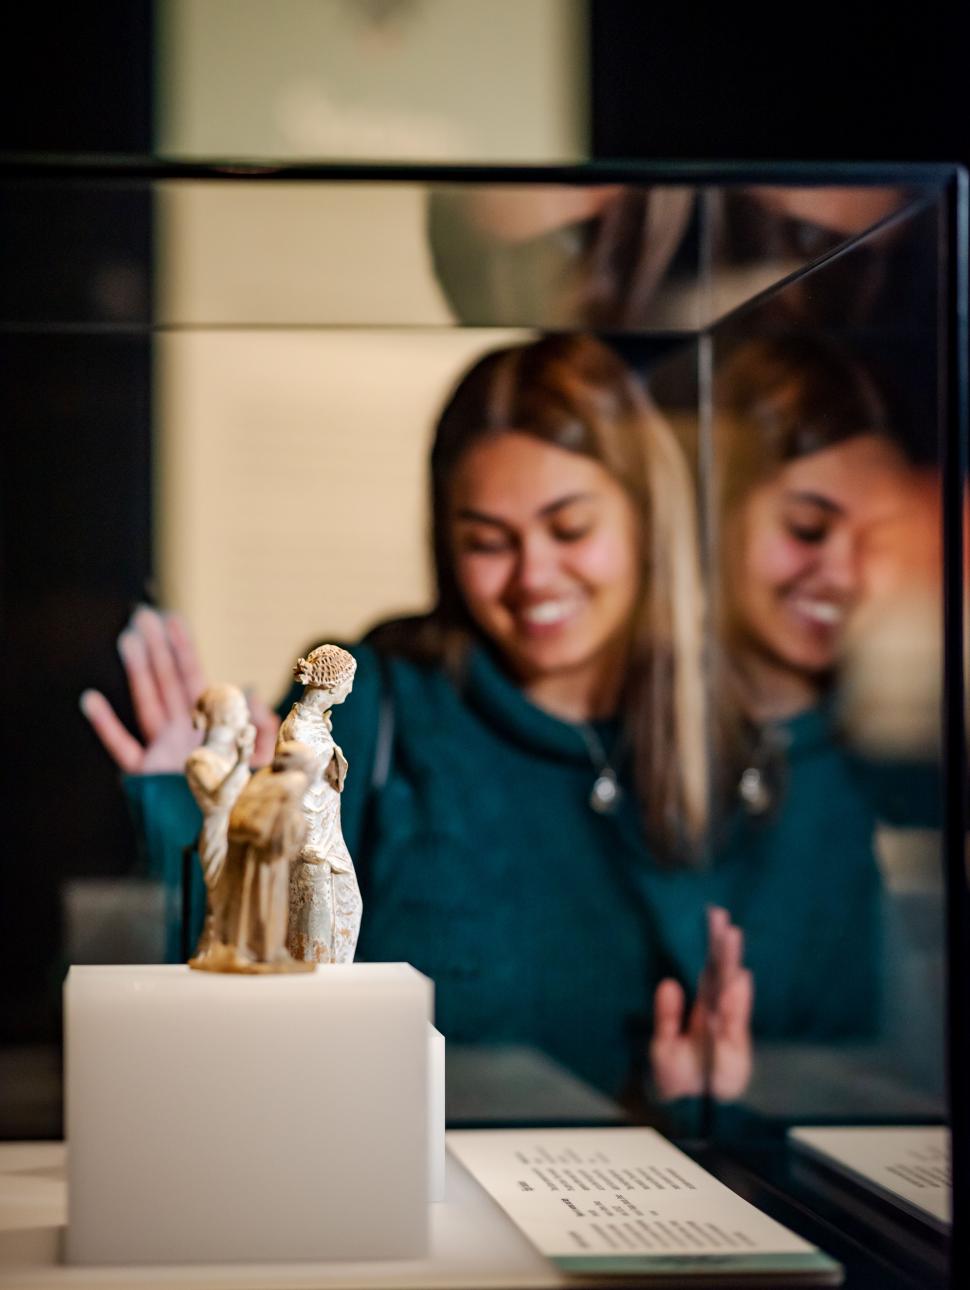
[805, 82]
[74, 479]
[77, 77]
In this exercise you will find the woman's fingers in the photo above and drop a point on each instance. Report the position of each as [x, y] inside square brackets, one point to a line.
[145, 698]
[725, 952]
[731, 953]
[668, 1010]
[733, 1055]
[126, 751]
[162, 669]
[718, 920]
[187, 659]
[736, 1007]
[148, 624]
[675, 1058]
[709, 982]
[168, 752]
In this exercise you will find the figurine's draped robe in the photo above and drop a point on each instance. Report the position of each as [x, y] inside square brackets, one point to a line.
[266, 829]
[216, 779]
[325, 904]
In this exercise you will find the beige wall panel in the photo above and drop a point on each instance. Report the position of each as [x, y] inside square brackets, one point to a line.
[291, 471]
[293, 254]
[425, 80]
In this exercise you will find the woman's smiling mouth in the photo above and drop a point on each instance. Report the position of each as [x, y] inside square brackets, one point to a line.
[819, 612]
[542, 616]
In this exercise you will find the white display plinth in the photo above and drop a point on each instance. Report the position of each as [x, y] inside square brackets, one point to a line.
[217, 1117]
[436, 1114]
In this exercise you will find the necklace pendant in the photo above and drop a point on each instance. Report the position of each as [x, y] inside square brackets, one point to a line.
[606, 793]
[754, 792]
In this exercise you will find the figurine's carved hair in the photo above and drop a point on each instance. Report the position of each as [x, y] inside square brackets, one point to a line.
[326, 667]
[220, 705]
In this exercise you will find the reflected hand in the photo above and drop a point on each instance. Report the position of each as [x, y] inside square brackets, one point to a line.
[165, 678]
[713, 1051]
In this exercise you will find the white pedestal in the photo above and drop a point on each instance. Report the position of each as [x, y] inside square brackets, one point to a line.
[436, 1113]
[232, 1118]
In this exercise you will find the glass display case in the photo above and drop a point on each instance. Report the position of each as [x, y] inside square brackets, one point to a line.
[714, 883]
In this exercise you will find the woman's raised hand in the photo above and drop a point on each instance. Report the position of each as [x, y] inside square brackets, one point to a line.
[712, 1052]
[165, 678]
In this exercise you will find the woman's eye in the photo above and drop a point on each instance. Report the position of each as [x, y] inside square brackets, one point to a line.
[485, 546]
[571, 533]
[812, 534]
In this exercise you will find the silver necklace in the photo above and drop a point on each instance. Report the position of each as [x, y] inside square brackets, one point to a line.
[759, 787]
[606, 794]
[753, 790]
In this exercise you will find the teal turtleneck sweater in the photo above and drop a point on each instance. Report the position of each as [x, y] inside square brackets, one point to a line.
[540, 921]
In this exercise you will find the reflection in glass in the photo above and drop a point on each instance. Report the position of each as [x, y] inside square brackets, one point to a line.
[658, 258]
[661, 258]
[761, 235]
[827, 571]
[301, 343]
[566, 257]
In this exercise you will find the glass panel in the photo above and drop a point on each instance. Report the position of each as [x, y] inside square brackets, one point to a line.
[237, 252]
[659, 258]
[760, 235]
[226, 391]
[427, 255]
[827, 570]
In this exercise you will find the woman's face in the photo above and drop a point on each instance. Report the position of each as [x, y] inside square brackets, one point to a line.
[545, 551]
[799, 544]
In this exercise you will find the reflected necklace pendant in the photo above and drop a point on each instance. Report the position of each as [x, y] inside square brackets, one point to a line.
[606, 794]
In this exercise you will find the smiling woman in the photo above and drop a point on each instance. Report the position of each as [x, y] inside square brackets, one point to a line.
[554, 585]
[809, 478]
[802, 537]
[552, 458]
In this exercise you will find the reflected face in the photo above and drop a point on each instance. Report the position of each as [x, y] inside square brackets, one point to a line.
[802, 539]
[545, 552]
[848, 211]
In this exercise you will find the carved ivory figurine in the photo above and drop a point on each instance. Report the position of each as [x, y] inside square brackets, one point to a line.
[325, 905]
[217, 773]
[266, 830]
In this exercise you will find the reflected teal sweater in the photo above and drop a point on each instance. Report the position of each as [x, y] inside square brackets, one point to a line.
[541, 922]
